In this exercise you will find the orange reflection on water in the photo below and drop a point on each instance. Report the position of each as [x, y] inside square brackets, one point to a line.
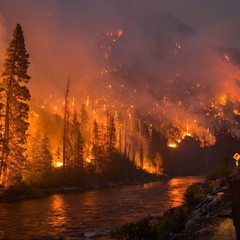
[58, 218]
[177, 188]
[175, 192]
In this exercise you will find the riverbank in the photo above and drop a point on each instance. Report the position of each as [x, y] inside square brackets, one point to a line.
[92, 212]
[92, 182]
[205, 214]
[211, 219]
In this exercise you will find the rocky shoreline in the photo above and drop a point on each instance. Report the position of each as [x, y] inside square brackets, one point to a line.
[211, 219]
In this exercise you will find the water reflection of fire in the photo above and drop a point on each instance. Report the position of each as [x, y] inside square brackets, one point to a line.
[58, 219]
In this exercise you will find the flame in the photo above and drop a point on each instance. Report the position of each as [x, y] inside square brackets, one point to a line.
[57, 164]
[172, 145]
[236, 112]
[73, 101]
[223, 100]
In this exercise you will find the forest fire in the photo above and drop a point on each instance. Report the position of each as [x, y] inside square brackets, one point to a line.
[125, 118]
[125, 103]
[97, 95]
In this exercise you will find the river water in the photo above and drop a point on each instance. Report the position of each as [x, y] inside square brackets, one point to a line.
[70, 215]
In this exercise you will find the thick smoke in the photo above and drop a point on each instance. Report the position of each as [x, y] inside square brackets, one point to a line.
[158, 59]
[3, 44]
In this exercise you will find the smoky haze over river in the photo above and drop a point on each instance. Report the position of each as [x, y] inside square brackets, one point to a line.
[70, 215]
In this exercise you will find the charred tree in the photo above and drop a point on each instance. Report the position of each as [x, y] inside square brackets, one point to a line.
[65, 125]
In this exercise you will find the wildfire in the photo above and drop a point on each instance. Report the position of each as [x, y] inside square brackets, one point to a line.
[57, 164]
[172, 145]
[171, 109]
[223, 100]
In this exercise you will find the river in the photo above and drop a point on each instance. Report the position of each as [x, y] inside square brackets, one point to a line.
[70, 215]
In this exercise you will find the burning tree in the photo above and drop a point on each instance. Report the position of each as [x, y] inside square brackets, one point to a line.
[65, 126]
[97, 148]
[83, 117]
[76, 141]
[14, 109]
[39, 159]
[111, 134]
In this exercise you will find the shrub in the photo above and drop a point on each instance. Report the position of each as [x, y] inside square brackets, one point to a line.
[142, 229]
[193, 195]
[150, 229]
[222, 171]
[172, 222]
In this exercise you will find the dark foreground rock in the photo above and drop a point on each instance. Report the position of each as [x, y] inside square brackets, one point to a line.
[211, 219]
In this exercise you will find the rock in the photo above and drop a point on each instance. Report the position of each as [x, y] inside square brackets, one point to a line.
[207, 205]
[191, 223]
[97, 233]
[91, 234]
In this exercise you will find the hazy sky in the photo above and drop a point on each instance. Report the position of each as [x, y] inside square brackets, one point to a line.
[67, 36]
[58, 33]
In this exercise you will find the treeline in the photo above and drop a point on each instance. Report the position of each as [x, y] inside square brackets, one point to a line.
[26, 151]
[147, 148]
[41, 148]
[190, 158]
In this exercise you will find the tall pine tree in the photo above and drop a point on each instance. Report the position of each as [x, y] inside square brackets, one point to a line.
[65, 127]
[14, 108]
[76, 142]
[97, 148]
[111, 134]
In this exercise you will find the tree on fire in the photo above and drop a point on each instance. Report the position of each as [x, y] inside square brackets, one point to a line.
[83, 116]
[76, 141]
[65, 146]
[72, 137]
[97, 149]
[45, 155]
[111, 135]
[14, 108]
[39, 159]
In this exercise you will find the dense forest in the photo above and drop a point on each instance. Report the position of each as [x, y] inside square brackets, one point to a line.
[46, 149]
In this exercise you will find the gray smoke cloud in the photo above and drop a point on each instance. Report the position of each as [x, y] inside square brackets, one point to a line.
[149, 56]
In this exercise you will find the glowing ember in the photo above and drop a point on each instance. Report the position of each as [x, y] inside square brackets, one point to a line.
[227, 57]
[120, 33]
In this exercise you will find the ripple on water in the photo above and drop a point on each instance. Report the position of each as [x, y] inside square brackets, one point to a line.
[70, 215]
